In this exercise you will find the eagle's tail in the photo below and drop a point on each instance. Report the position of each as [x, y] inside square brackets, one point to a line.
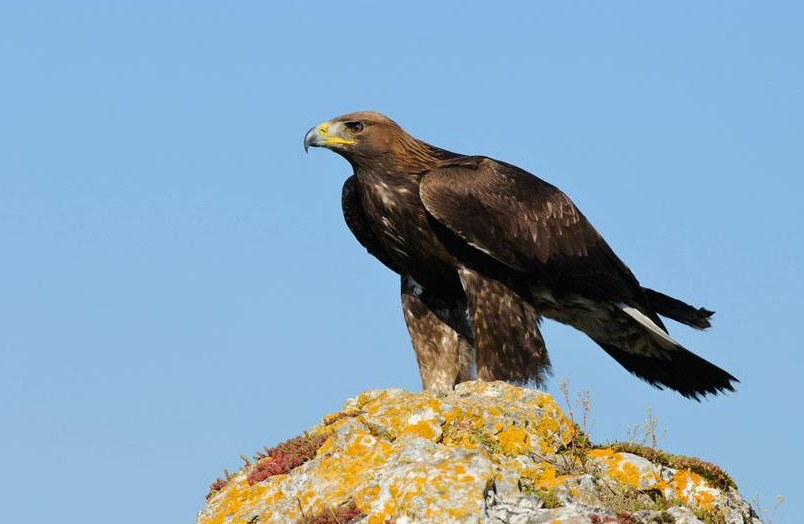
[648, 351]
[677, 310]
[681, 370]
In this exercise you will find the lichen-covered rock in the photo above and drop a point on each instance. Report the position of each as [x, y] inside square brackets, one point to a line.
[484, 453]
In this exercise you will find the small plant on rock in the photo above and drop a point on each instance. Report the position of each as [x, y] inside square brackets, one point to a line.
[549, 498]
[645, 434]
[711, 472]
[574, 457]
[343, 514]
[770, 513]
[626, 499]
[621, 518]
[664, 517]
[285, 456]
[219, 484]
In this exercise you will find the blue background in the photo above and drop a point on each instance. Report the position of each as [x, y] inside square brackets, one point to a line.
[178, 286]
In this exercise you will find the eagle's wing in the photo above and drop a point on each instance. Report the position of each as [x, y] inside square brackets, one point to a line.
[528, 225]
[358, 224]
[533, 228]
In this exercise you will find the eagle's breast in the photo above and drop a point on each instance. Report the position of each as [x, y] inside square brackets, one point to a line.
[398, 218]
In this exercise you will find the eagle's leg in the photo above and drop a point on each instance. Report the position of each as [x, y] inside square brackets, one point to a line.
[438, 331]
[509, 345]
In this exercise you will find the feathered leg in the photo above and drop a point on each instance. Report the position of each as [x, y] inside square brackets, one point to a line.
[509, 345]
[440, 336]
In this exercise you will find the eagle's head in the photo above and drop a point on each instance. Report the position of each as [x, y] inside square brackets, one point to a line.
[361, 134]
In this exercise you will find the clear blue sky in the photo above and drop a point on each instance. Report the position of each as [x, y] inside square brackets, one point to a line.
[178, 286]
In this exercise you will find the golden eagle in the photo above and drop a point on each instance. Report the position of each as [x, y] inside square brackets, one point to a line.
[484, 250]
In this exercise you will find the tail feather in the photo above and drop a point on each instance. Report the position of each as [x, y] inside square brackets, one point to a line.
[648, 351]
[680, 370]
[677, 310]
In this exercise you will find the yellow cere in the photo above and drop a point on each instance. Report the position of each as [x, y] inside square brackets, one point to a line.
[323, 130]
[338, 140]
[428, 457]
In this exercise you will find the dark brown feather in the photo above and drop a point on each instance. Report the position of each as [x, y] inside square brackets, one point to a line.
[508, 343]
[528, 225]
[359, 225]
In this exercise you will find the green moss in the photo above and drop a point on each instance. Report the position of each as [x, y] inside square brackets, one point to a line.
[484, 438]
[626, 499]
[463, 428]
[629, 500]
[526, 486]
[549, 498]
[377, 431]
[664, 517]
[710, 516]
[712, 473]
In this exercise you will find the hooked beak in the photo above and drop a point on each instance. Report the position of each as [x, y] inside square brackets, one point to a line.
[324, 135]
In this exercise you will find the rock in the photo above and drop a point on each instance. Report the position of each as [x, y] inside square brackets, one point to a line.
[487, 452]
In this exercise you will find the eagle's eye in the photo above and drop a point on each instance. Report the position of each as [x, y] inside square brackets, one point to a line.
[354, 127]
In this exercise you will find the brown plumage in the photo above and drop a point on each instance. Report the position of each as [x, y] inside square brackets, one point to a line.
[484, 250]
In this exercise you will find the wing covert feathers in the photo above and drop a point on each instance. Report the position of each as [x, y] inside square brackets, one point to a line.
[526, 224]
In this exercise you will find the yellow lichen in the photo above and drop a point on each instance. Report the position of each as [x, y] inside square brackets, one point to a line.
[238, 498]
[601, 453]
[482, 431]
[423, 428]
[513, 440]
[692, 489]
[704, 499]
[627, 473]
[622, 470]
